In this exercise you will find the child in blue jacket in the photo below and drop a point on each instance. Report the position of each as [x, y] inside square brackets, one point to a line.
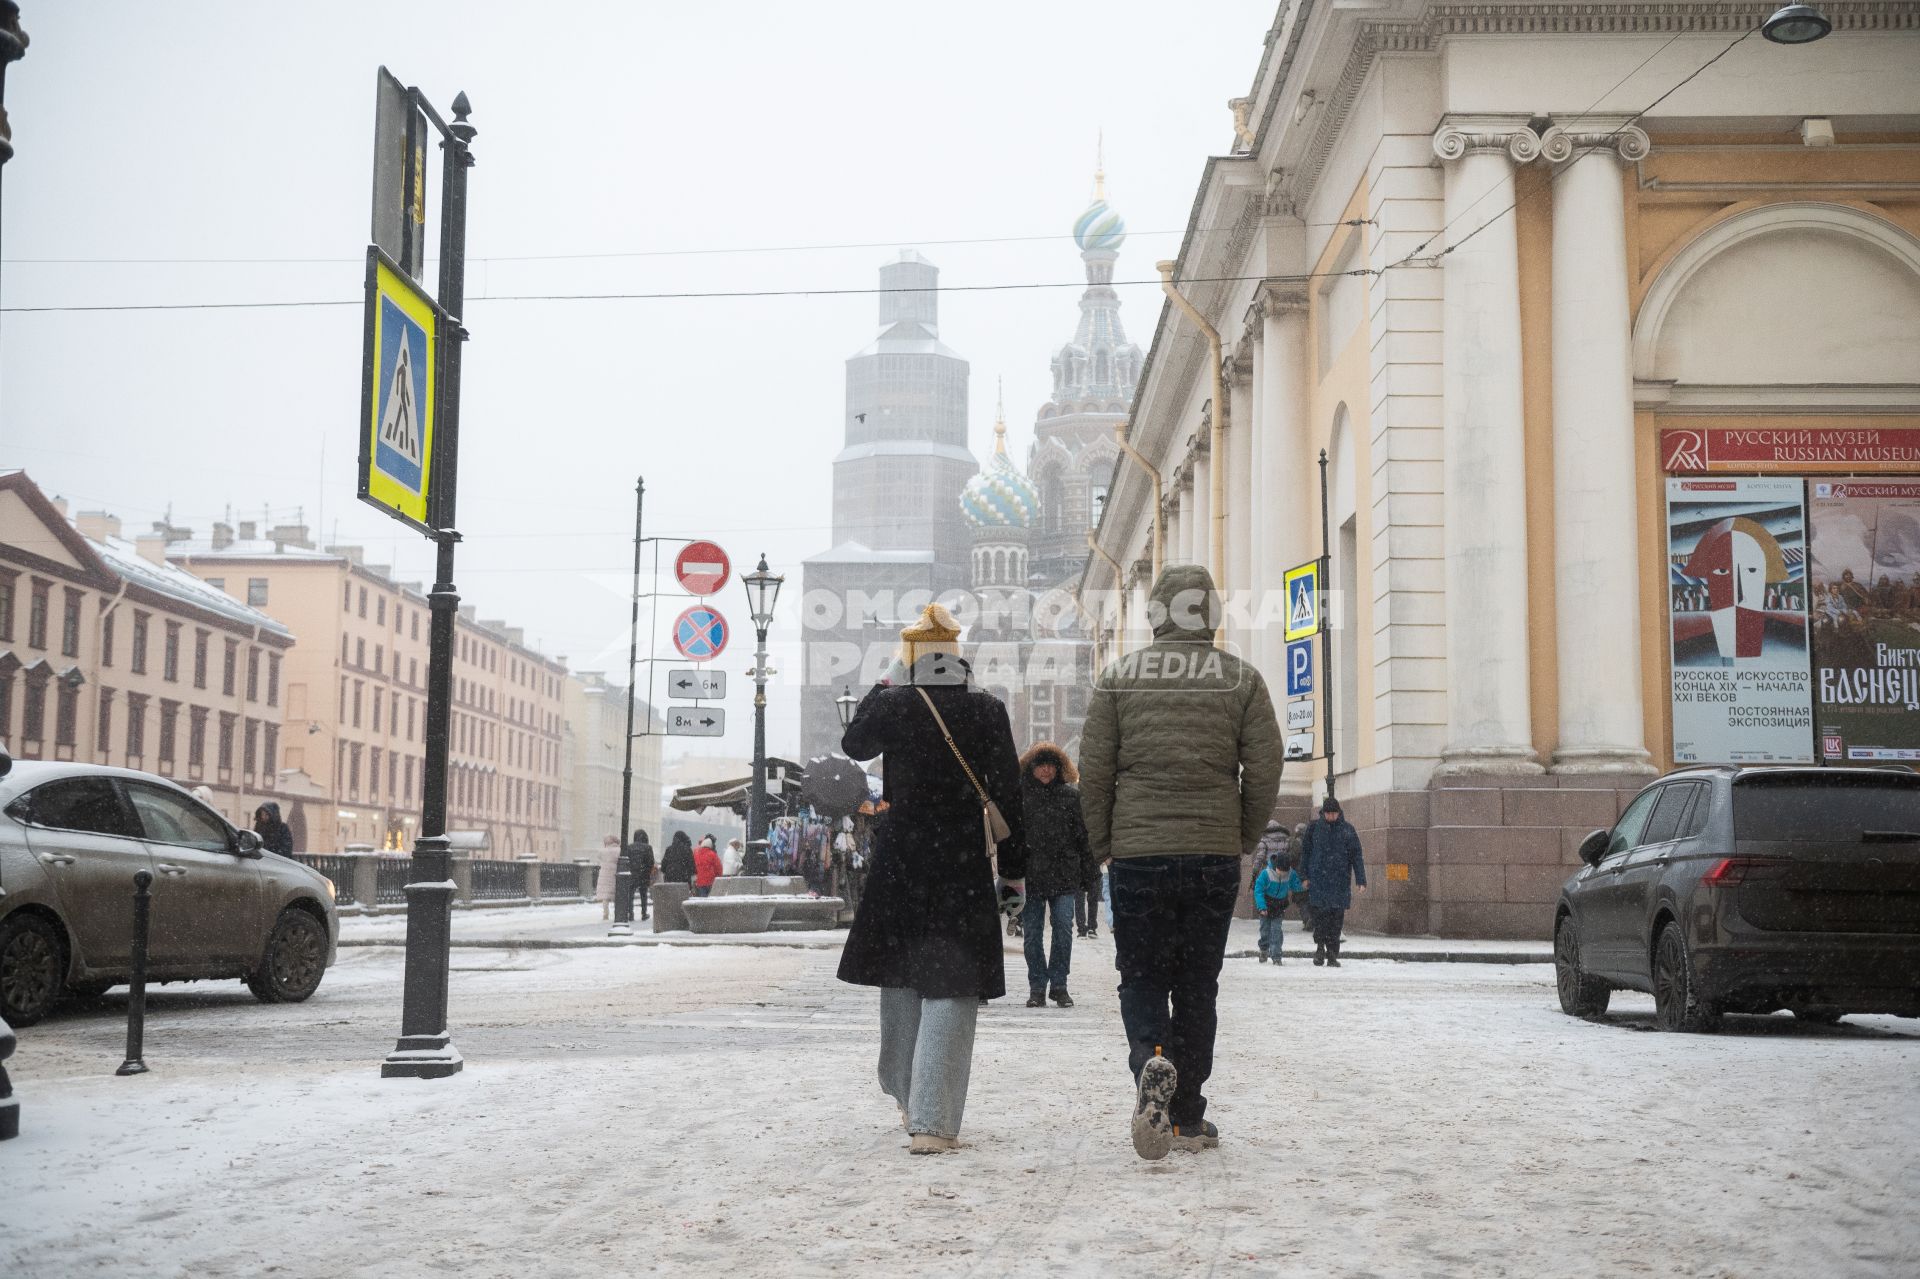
[1275, 884]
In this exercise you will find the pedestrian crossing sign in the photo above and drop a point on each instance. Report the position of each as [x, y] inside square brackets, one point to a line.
[397, 392]
[1303, 600]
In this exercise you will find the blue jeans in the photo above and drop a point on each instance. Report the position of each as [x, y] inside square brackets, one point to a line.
[1270, 935]
[926, 1057]
[1042, 972]
[1171, 917]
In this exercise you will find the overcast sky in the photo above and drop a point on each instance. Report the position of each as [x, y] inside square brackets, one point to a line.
[623, 147]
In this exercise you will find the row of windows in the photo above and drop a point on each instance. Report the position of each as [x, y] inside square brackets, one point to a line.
[403, 621]
[256, 589]
[354, 699]
[39, 614]
[357, 647]
[258, 740]
[399, 772]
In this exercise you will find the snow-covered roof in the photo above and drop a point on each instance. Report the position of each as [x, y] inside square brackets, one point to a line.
[257, 548]
[125, 559]
[904, 448]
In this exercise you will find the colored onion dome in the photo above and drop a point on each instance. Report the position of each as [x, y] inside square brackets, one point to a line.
[1100, 229]
[999, 496]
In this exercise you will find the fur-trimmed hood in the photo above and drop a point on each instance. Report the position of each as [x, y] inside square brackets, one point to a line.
[1047, 753]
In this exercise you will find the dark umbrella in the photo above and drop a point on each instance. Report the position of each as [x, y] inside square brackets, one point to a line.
[835, 786]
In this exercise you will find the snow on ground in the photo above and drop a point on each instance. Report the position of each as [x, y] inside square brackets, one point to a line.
[657, 1110]
[577, 923]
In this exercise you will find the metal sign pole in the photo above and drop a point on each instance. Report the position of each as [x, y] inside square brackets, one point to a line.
[1326, 638]
[425, 1048]
[623, 880]
[135, 1062]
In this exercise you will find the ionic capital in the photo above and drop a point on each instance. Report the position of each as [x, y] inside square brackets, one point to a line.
[1459, 138]
[1627, 142]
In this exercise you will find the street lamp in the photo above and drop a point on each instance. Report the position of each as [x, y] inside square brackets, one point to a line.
[763, 589]
[846, 703]
[1796, 24]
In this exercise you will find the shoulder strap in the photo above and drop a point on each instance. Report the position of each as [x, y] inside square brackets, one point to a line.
[977, 787]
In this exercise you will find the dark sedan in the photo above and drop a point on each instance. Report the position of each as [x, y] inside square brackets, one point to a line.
[1750, 890]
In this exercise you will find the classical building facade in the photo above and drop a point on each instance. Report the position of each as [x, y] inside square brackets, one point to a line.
[1586, 306]
[899, 539]
[596, 712]
[356, 699]
[109, 655]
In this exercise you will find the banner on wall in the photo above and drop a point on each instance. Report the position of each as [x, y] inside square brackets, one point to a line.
[1742, 685]
[1865, 581]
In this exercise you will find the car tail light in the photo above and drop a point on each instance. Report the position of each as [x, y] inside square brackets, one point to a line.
[1739, 870]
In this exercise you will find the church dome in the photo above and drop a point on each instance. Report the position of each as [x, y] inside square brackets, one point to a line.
[999, 496]
[1099, 229]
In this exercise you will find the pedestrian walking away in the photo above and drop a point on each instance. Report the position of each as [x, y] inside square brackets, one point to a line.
[605, 882]
[926, 931]
[676, 864]
[1274, 888]
[706, 866]
[1060, 868]
[732, 858]
[1332, 869]
[640, 859]
[275, 835]
[1179, 765]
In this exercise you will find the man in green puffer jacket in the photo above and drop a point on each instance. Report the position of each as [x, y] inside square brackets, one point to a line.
[1179, 765]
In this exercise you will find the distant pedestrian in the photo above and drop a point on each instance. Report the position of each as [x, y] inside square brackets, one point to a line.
[731, 859]
[925, 931]
[640, 859]
[1087, 907]
[1060, 866]
[275, 835]
[604, 883]
[1179, 765]
[706, 867]
[1331, 866]
[1273, 841]
[1274, 888]
[676, 864]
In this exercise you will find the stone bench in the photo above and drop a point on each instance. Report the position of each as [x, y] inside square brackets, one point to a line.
[731, 914]
[760, 886]
[807, 913]
[668, 902]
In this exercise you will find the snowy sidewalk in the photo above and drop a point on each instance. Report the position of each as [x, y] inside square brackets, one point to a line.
[714, 1111]
[579, 927]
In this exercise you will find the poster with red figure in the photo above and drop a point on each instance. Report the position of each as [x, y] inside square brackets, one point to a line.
[1737, 595]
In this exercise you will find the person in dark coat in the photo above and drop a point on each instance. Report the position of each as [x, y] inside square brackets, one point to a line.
[676, 864]
[1060, 869]
[640, 862]
[927, 928]
[275, 835]
[1331, 858]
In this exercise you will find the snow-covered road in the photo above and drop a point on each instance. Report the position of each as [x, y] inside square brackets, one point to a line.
[713, 1111]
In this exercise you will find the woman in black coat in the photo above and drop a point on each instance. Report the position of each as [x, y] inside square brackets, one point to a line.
[676, 864]
[640, 861]
[927, 931]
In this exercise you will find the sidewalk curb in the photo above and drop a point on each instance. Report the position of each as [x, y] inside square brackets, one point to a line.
[1421, 956]
[593, 943]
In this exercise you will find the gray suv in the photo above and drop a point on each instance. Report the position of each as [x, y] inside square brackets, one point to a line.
[72, 837]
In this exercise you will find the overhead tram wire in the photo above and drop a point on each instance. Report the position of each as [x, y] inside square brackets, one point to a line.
[631, 253]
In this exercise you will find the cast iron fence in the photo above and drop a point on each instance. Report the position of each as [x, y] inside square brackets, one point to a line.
[497, 880]
[335, 867]
[392, 876]
[559, 879]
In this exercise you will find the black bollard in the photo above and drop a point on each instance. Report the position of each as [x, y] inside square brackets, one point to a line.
[137, 994]
[9, 1104]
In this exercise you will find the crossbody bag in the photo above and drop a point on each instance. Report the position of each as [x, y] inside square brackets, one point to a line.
[993, 825]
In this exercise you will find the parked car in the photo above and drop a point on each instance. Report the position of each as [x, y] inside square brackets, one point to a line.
[71, 838]
[1750, 890]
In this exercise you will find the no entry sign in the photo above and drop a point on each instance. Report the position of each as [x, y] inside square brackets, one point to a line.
[700, 634]
[701, 568]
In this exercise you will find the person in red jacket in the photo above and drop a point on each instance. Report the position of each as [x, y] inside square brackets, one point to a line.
[706, 866]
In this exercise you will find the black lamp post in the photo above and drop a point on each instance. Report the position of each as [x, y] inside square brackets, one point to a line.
[763, 589]
[1796, 24]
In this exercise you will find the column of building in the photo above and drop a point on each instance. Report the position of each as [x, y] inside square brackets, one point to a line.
[1284, 516]
[1488, 698]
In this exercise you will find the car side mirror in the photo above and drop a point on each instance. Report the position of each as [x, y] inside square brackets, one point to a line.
[246, 843]
[1594, 847]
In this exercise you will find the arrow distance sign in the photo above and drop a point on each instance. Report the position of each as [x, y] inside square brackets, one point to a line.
[691, 681]
[696, 721]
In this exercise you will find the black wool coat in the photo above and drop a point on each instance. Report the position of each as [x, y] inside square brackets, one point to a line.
[1330, 863]
[929, 916]
[1059, 858]
[676, 865]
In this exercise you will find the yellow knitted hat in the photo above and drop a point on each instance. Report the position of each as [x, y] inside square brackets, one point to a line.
[935, 632]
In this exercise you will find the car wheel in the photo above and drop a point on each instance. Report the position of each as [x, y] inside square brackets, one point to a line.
[1676, 1000]
[295, 960]
[33, 968]
[1580, 994]
[1818, 1016]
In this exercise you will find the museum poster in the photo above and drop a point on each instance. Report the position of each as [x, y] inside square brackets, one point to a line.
[1866, 619]
[1736, 581]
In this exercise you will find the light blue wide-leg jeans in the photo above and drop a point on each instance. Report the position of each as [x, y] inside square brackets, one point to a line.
[926, 1057]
